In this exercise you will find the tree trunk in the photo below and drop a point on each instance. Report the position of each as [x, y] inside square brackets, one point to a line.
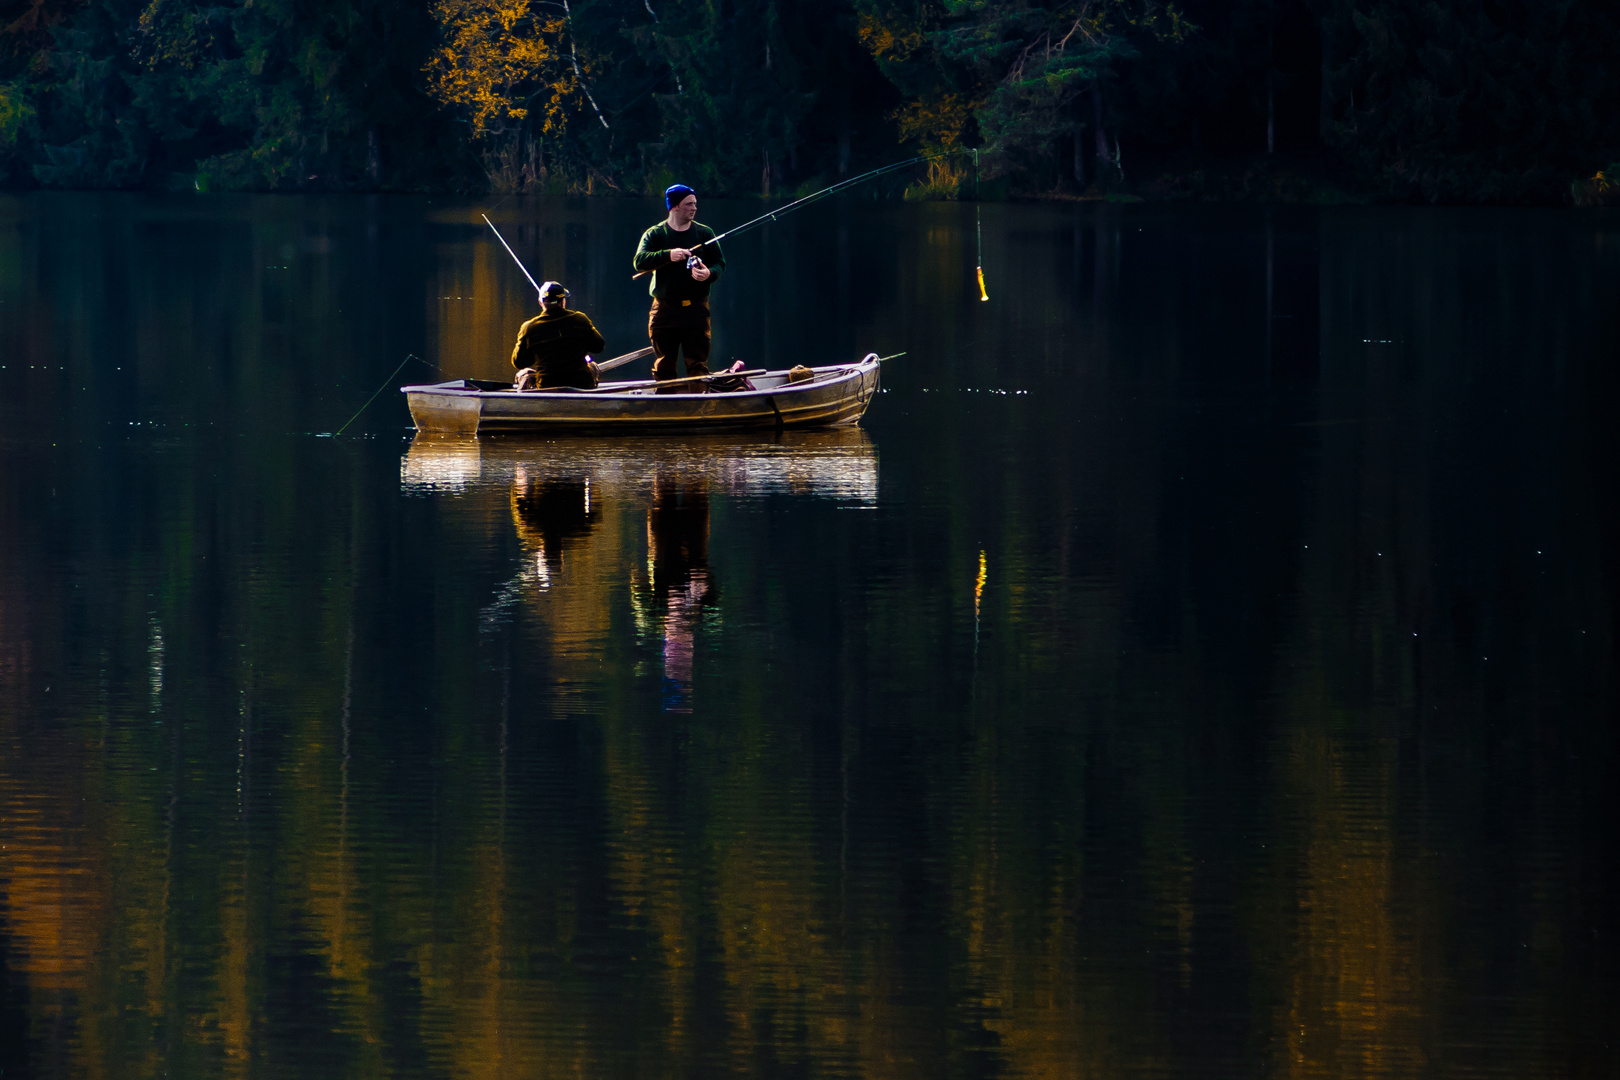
[1271, 91]
[1080, 157]
[1324, 116]
[1100, 134]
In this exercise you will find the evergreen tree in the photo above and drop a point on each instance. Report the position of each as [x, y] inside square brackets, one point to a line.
[1435, 100]
[1009, 75]
[1449, 100]
[745, 92]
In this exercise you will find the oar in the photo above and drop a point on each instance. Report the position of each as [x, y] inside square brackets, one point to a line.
[636, 384]
[620, 361]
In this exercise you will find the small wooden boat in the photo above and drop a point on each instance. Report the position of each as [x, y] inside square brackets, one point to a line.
[830, 397]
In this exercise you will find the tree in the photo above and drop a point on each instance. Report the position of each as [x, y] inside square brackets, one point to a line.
[496, 60]
[1011, 75]
[1445, 100]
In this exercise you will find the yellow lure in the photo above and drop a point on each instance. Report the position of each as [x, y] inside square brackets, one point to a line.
[982, 294]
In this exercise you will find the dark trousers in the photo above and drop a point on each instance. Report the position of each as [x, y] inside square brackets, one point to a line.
[688, 337]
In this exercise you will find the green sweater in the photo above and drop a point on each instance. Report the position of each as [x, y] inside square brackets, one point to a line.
[672, 281]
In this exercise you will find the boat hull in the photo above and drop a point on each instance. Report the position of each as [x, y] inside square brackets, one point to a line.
[836, 396]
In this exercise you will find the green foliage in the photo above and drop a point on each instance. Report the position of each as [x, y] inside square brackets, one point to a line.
[744, 70]
[1435, 100]
[16, 114]
[255, 94]
[1007, 75]
[1463, 102]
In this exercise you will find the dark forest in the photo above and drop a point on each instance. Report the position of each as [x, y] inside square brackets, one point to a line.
[1432, 101]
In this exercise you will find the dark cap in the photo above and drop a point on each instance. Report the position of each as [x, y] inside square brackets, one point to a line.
[552, 290]
[675, 193]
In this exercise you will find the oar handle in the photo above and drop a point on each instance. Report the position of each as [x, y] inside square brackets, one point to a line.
[619, 361]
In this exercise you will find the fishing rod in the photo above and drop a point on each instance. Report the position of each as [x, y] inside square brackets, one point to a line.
[813, 197]
[606, 365]
[512, 253]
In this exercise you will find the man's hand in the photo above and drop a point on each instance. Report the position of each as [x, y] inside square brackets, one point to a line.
[701, 272]
[679, 254]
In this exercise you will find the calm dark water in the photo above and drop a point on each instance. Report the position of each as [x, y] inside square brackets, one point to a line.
[1201, 663]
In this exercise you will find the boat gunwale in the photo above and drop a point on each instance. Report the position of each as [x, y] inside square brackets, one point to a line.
[846, 372]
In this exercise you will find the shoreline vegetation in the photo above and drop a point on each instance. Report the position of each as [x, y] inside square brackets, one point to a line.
[1261, 101]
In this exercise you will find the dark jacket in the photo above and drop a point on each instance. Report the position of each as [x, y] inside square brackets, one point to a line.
[555, 343]
[672, 281]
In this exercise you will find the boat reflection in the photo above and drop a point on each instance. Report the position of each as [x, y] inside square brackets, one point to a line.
[840, 463]
[580, 507]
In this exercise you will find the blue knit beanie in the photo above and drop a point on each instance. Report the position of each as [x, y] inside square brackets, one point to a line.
[675, 193]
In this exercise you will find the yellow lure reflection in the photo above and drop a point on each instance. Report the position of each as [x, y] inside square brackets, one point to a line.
[978, 585]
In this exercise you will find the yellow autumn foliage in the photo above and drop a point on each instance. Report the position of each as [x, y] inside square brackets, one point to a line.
[886, 41]
[495, 59]
[937, 123]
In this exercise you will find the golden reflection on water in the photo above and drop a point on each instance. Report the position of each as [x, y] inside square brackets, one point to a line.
[839, 464]
[550, 855]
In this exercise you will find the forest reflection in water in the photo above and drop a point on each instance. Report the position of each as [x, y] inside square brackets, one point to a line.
[1201, 662]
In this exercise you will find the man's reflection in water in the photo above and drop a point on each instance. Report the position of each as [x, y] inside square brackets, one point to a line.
[678, 543]
[549, 512]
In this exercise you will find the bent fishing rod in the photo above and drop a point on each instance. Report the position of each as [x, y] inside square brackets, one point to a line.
[797, 204]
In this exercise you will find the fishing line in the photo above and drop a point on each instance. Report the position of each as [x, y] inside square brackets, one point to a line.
[408, 358]
[978, 228]
[512, 253]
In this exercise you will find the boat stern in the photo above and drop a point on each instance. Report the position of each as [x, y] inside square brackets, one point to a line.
[444, 408]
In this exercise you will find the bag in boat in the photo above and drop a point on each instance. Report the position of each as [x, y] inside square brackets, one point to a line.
[529, 378]
[730, 385]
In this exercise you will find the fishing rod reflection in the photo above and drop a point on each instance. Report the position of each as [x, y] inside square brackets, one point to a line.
[609, 527]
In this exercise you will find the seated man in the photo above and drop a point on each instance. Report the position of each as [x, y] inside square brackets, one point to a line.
[553, 348]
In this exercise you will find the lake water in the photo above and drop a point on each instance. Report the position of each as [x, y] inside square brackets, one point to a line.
[1200, 663]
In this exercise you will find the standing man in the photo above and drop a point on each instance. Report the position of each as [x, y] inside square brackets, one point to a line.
[553, 348]
[684, 265]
